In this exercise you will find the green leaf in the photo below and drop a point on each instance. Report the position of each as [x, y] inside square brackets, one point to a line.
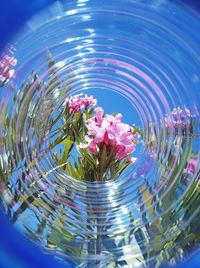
[137, 130]
[71, 170]
[89, 113]
[57, 141]
[78, 116]
[76, 132]
[110, 156]
[88, 156]
[118, 167]
[58, 117]
[3, 176]
[68, 143]
[102, 163]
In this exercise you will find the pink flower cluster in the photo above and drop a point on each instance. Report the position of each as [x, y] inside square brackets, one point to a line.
[110, 131]
[76, 103]
[178, 117]
[6, 64]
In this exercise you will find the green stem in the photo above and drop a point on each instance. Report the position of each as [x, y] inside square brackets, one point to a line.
[61, 138]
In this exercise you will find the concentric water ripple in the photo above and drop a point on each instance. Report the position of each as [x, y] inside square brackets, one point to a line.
[138, 59]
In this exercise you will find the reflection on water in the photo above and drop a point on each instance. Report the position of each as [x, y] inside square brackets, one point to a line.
[145, 58]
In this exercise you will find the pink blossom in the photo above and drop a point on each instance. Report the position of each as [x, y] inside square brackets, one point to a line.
[76, 103]
[110, 131]
[192, 165]
[89, 101]
[6, 64]
[178, 117]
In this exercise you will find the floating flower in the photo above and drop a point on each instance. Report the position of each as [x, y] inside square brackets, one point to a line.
[178, 117]
[76, 103]
[6, 71]
[109, 131]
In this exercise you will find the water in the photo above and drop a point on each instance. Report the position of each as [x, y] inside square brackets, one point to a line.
[138, 59]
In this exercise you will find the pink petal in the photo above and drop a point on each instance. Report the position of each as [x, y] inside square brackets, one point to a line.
[99, 137]
[99, 115]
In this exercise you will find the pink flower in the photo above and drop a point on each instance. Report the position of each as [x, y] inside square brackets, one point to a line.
[110, 131]
[178, 117]
[192, 165]
[89, 101]
[6, 64]
[76, 103]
